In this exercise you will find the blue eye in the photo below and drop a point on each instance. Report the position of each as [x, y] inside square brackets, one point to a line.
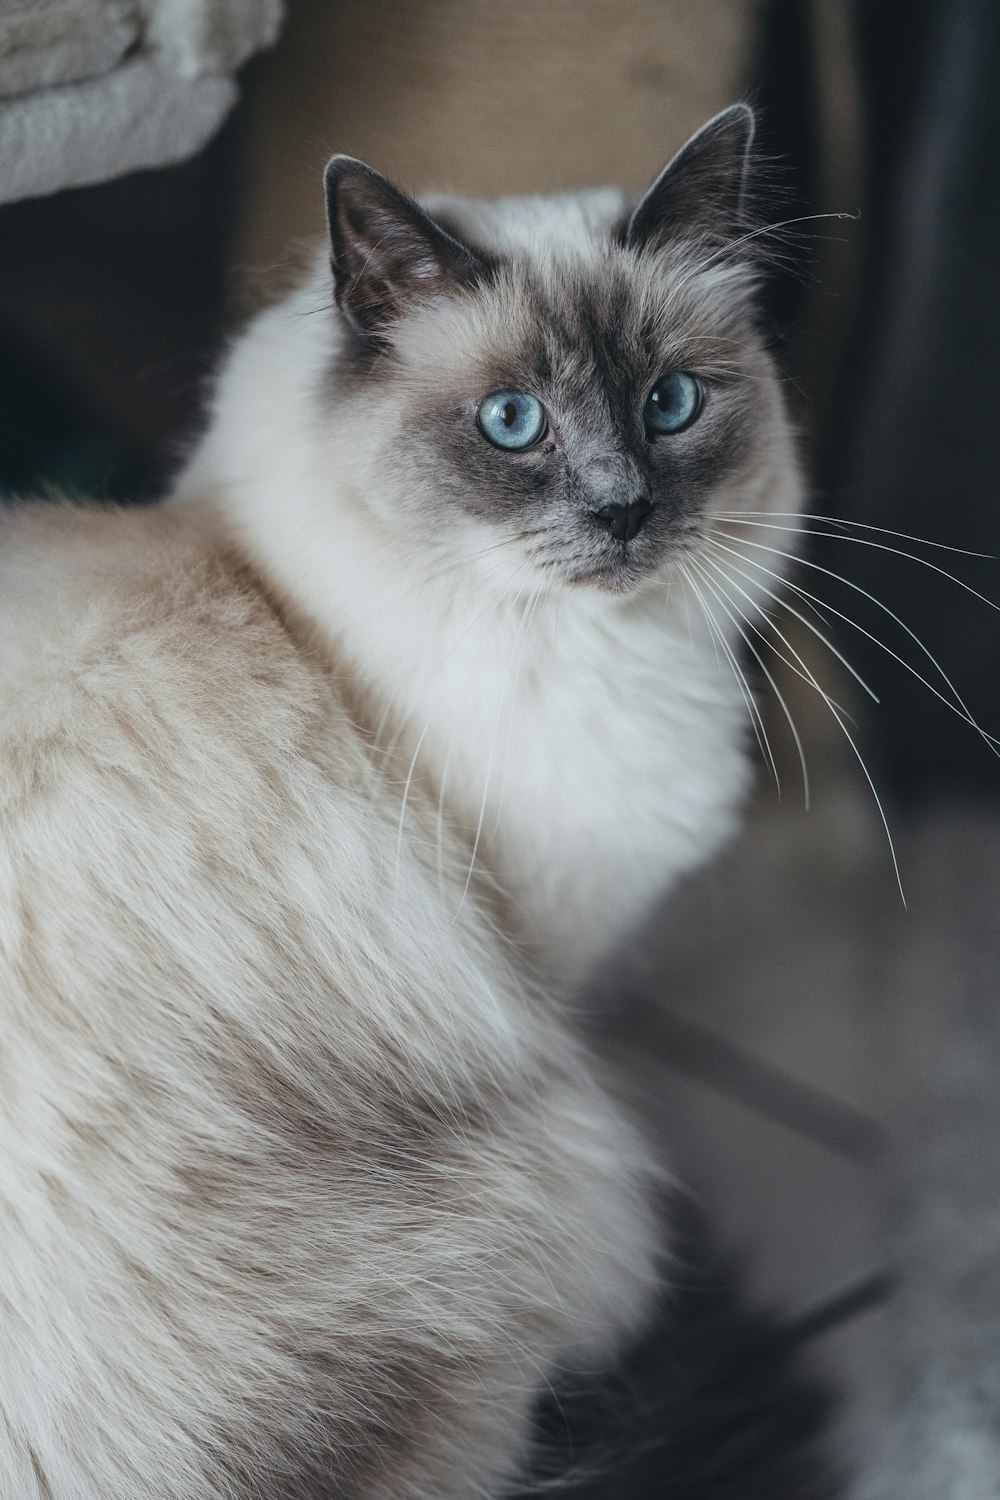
[672, 404]
[512, 419]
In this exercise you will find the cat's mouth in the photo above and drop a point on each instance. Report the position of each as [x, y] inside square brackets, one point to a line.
[619, 572]
[633, 564]
[618, 565]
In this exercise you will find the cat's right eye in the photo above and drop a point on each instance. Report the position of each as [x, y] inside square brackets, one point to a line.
[512, 419]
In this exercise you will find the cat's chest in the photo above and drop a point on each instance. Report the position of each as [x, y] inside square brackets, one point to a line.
[587, 767]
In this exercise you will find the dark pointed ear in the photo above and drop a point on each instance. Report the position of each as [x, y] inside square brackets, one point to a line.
[386, 252]
[701, 191]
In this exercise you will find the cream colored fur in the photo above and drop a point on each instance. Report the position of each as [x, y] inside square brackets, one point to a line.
[306, 1184]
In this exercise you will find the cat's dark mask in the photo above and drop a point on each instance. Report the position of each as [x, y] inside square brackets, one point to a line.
[583, 376]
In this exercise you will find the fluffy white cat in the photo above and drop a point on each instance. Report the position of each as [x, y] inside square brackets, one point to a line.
[320, 787]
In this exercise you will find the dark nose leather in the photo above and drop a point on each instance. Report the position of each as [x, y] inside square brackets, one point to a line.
[625, 521]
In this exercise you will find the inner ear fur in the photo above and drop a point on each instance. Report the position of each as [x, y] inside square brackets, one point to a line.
[386, 252]
[702, 190]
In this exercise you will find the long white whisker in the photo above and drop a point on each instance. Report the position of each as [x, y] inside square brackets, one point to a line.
[864, 541]
[760, 661]
[763, 614]
[383, 751]
[492, 752]
[430, 719]
[905, 536]
[962, 709]
[439, 839]
[754, 234]
[839, 717]
[958, 709]
[510, 717]
[802, 618]
[756, 718]
[442, 790]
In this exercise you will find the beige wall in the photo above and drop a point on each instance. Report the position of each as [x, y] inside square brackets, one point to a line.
[482, 96]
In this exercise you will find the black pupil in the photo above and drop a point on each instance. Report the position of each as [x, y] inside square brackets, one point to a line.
[508, 415]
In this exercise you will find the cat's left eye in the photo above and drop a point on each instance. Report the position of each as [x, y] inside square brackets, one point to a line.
[673, 404]
[512, 419]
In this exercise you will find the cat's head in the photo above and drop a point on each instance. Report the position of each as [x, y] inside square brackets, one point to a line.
[558, 389]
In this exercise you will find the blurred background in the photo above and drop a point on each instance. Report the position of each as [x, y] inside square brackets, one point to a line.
[819, 1057]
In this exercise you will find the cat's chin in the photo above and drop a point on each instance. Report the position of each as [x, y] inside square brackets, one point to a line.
[616, 575]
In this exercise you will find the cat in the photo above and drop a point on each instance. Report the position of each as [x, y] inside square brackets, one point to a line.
[321, 787]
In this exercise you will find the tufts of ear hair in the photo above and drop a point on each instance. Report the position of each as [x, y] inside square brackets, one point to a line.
[386, 253]
[701, 191]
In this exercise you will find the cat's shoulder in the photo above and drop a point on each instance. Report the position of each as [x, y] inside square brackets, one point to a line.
[132, 627]
[68, 564]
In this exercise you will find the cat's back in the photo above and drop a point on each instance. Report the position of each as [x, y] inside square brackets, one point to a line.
[72, 575]
[159, 735]
[100, 603]
[129, 640]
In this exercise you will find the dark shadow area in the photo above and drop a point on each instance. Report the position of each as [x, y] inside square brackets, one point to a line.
[112, 306]
[712, 1404]
[914, 444]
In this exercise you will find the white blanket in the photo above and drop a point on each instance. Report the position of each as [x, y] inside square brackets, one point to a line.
[90, 89]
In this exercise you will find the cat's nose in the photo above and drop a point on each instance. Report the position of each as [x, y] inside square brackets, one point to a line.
[625, 521]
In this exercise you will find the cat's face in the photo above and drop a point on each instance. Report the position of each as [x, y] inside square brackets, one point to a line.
[559, 389]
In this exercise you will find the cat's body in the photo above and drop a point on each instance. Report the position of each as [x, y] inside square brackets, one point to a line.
[329, 1172]
[306, 1184]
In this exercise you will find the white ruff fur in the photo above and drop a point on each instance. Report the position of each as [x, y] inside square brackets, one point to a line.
[308, 819]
